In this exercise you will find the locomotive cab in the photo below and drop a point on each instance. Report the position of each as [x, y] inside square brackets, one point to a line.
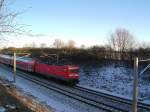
[72, 74]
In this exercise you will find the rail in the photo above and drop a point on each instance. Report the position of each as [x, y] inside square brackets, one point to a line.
[107, 102]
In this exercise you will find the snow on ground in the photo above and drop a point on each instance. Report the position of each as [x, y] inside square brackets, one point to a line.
[56, 101]
[115, 78]
[2, 109]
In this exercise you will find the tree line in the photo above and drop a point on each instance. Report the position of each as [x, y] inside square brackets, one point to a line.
[58, 43]
[120, 45]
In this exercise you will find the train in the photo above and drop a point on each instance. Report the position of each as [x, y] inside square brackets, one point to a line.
[67, 73]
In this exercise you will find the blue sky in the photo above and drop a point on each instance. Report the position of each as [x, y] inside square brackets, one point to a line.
[87, 22]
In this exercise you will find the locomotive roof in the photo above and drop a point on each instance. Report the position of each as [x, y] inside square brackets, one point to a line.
[6, 56]
[24, 59]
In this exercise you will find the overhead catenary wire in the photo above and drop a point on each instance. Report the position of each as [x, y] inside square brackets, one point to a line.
[144, 69]
[144, 60]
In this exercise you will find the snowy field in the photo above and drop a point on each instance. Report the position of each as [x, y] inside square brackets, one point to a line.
[115, 78]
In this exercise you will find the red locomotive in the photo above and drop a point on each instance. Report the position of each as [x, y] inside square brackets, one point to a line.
[62, 72]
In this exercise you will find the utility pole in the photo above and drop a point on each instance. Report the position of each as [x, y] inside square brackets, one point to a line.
[14, 64]
[14, 67]
[57, 58]
[135, 86]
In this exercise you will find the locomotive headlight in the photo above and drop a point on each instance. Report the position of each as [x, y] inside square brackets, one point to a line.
[73, 74]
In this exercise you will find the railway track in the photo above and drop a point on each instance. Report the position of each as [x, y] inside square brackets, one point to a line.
[114, 98]
[99, 100]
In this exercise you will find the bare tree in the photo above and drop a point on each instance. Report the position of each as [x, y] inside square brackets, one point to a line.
[82, 46]
[121, 40]
[144, 45]
[58, 43]
[7, 20]
[43, 45]
[30, 45]
[7, 17]
[71, 44]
